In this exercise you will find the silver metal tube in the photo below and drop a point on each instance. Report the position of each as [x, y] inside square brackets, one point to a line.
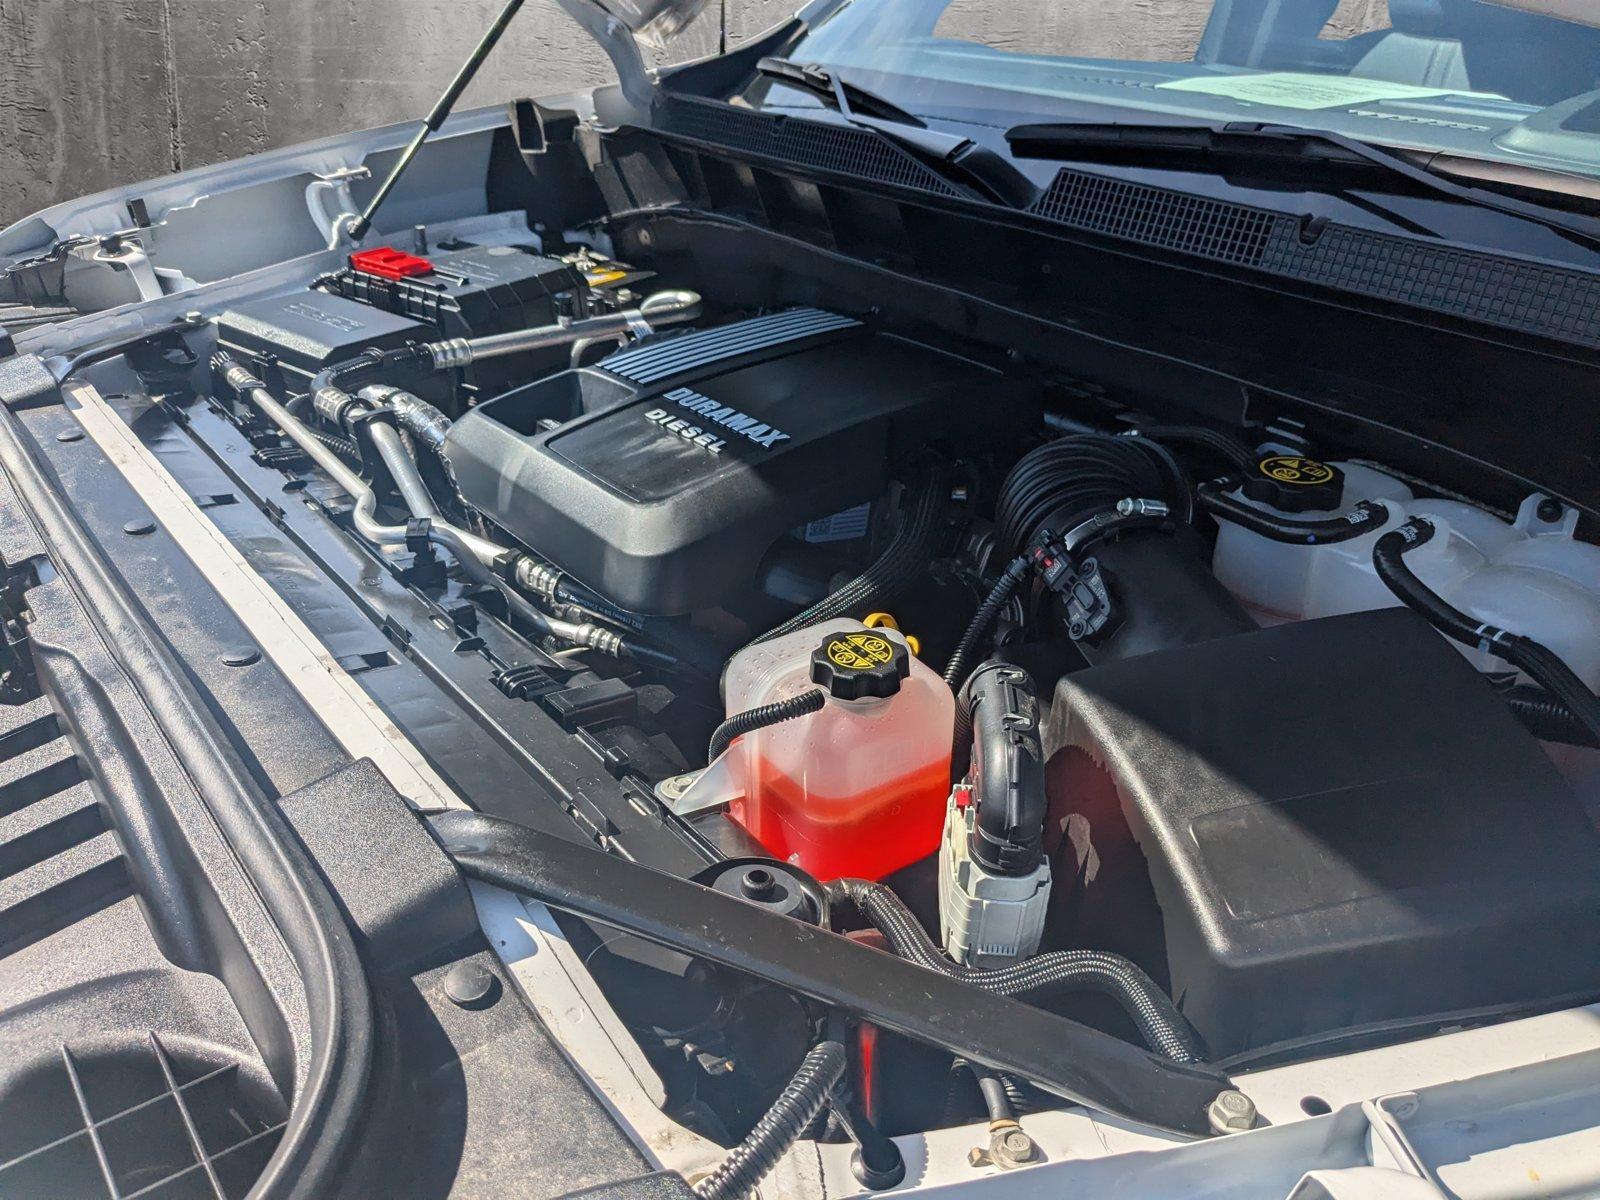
[472, 552]
[663, 308]
[458, 541]
[413, 493]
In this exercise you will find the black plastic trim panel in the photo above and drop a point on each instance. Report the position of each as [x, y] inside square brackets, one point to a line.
[1502, 290]
[856, 153]
[1514, 293]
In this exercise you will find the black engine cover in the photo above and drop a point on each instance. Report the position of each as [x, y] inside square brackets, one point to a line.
[1319, 828]
[660, 477]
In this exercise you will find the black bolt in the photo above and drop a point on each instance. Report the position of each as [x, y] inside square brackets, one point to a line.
[70, 435]
[1550, 510]
[240, 656]
[471, 985]
[139, 527]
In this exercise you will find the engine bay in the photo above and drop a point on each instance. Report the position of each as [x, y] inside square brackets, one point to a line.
[1232, 743]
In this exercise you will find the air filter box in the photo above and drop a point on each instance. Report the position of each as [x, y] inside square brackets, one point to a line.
[1316, 829]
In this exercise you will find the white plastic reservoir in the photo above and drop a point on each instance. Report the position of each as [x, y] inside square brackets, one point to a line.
[1530, 576]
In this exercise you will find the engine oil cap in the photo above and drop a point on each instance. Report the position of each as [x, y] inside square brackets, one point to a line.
[859, 665]
[1294, 483]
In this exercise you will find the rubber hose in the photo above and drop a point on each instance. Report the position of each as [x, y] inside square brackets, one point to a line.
[1534, 659]
[1547, 718]
[1181, 486]
[995, 1097]
[1064, 482]
[1224, 445]
[956, 670]
[1160, 1024]
[780, 1127]
[1321, 531]
[905, 558]
[761, 717]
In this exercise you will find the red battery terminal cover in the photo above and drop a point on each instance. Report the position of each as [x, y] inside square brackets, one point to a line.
[388, 263]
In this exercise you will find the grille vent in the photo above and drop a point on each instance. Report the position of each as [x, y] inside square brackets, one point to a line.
[1549, 300]
[1229, 233]
[137, 1121]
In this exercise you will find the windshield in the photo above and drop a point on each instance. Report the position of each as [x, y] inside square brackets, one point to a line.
[1511, 80]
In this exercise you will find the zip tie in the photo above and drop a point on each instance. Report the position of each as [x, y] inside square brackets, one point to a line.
[1489, 635]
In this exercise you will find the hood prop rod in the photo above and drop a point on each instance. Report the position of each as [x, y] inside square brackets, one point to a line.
[435, 118]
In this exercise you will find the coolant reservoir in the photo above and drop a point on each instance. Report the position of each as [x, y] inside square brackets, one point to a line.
[1530, 575]
[859, 787]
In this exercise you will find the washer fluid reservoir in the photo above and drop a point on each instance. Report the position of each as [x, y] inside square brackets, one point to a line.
[857, 788]
[1529, 575]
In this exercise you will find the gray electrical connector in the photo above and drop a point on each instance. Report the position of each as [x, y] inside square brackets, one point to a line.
[986, 919]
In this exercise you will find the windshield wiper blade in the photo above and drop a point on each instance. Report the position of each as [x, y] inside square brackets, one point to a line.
[973, 168]
[848, 98]
[1181, 144]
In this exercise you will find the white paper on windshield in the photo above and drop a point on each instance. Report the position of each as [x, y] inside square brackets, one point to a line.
[1289, 89]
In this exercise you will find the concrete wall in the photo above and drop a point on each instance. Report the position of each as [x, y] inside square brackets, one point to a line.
[95, 93]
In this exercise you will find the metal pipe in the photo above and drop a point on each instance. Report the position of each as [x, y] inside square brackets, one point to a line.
[475, 554]
[663, 308]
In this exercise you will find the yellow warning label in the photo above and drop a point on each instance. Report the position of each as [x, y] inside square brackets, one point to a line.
[1297, 472]
[860, 651]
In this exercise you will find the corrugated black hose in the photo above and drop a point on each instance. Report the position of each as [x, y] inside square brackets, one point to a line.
[955, 671]
[797, 1105]
[344, 447]
[902, 561]
[1547, 718]
[1534, 659]
[751, 719]
[1163, 1028]
[1223, 445]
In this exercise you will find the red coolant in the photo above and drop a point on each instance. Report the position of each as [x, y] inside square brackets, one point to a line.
[858, 788]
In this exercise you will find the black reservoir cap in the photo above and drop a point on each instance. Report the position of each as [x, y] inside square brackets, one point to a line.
[860, 665]
[1293, 483]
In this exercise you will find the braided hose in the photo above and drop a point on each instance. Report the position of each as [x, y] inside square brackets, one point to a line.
[1223, 445]
[753, 719]
[1163, 1028]
[905, 557]
[796, 1107]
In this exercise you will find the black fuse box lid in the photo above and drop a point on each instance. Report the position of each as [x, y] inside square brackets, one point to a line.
[1318, 828]
[305, 331]
[474, 291]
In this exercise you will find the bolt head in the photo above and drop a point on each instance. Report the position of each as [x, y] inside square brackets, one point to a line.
[241, 656]
[1231, 1112]
[675, 787]
[1019, 1145]
[471, 985]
